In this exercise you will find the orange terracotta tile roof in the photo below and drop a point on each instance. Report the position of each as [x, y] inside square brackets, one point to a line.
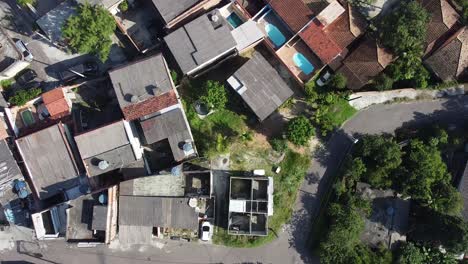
[344, 30]
[324, 47]
[295, 13]
[149, 106]
[55, 102]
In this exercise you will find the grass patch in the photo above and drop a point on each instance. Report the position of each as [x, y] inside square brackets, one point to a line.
[339, 112]
[5, 84]
[293, 170]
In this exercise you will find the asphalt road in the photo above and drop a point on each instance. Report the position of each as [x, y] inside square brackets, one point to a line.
[291, 245]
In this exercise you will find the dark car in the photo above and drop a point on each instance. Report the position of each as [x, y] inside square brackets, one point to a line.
[84, 70]
[26, 77]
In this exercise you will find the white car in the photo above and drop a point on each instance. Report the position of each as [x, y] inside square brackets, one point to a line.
[205, 234]
[323, 79]
[24, 50]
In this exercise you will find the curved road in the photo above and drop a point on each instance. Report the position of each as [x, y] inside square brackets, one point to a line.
[291, 246]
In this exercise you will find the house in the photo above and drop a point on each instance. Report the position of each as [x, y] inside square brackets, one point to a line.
[294, 13]
[10, 172]
[52, 22]
[144, 87]
[202, 42]
[367, 61]
[450, 61]
[147, 98]
[463, 189]
[260, 86]
[49, 161]
[57, 102]
[388, 223]
[164, 204]
[250, 204]
[108, 148]
[175, 13]
[444, 21]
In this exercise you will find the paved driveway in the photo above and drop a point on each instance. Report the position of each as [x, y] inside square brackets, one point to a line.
[291, 246]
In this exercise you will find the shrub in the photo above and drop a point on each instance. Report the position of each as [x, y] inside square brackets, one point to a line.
[23, 96]
[311, 92]
[175, 77]
[279, 145]
[383, 82]
[5, 84]
[300, 130]
[214, 95]
[123, 6]
[338, 81]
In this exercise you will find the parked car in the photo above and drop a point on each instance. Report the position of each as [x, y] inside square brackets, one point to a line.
[322, 80]
[205, 234]
[83, 70]
[26, 77]
[24, 50]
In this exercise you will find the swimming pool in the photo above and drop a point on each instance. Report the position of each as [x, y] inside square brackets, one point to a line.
[234, 20]
[27, 117]
[303, 63]
[275, 35]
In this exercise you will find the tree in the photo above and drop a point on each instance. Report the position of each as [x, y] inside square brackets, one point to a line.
[23, 96]
[381, 155]
[409, 67]
[90, 30]
[300, 130]
[123, 6]
[404, 29]
[411, 254]
[214, 95]
[279, 145]
[338, 81]
[423, 170]
[383, 82]
[446, 199]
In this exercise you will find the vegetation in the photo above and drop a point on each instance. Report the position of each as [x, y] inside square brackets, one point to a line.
[383, 82]
[294, 168]
[403, 31]
[174, 76]
[23, 96]
[411, 253]
[123, 6]
[464, 10]
[279, 145]
[362, 3]
[300, 130]
[26, 2]
[214, 95]
[90, 30]
[338, 81]
[5, 84]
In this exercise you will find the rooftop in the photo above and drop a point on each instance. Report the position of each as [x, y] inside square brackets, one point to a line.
[52, 22]
[157, 212]
[295, 13]
[200, 41]
[450, 61]
[463, 188]
[172, 126]
[9, 172]
[167, 185]
[56, 103]
[143, 87]
[315, 37]
[108, 143]
[172, 9]
[49, 161]
[260, 86]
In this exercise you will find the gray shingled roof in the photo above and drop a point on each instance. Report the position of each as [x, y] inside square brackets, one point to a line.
[117, 158]
[170, 125]
[170, 9]
[144, 79]
[266, 90]
[157, 211]
[200, 41]
[49, 160]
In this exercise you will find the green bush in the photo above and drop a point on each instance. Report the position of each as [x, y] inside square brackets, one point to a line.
[23, 96]
[338, 81]
[5, 84]
[175, 77]
[90, 31]
[214, 95]
[279, 145]
[300, 130]
[123, 6]
[383, 82]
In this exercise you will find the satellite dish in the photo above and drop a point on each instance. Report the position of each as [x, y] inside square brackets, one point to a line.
[187, 147]
[103, 165]
[134, 99]
[192, 202]
[214, 18]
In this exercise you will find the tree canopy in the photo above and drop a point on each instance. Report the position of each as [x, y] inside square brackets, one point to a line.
[300, 130]
[90, 30]
[214, 95]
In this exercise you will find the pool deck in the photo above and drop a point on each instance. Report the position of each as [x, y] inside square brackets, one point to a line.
[287, 52]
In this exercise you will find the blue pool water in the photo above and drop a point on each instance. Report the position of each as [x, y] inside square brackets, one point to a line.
[275, 35]
[234, 20]
[303, 63]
